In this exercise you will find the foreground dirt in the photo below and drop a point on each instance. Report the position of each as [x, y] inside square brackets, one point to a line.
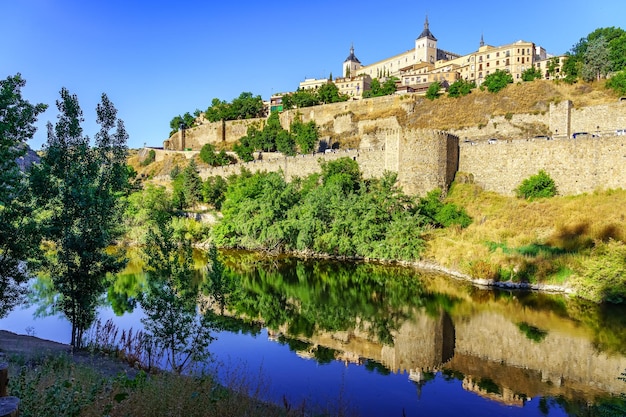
[12, 344]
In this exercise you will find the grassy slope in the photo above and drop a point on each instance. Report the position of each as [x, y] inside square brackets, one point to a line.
[545, 241]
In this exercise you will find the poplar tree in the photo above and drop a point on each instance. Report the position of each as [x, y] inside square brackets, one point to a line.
[18, 239]
[78, 189]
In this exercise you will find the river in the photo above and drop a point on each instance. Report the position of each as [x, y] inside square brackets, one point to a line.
[380, 340]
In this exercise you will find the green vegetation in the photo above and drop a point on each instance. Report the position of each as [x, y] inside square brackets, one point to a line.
[531, 332]
[335, 212]
[433, 90]
[56, 386]
[618, 82]
[540, 185]
[274, 138]
[179, 122]
[78, 191]
[246, 106]
[531, 74]
[603, 273]
[208, 155]
[461, 88]
[150, 158]
[496, 81]
[19, 241]
[326, 94]
[597, 54]
[377, 89]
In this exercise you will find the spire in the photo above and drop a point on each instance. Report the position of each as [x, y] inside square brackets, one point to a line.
[426, 33]
[352, 57]
[482, 41]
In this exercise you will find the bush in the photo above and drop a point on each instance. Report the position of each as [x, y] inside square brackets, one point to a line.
[537, 186]
[433, 91]
[149, 158]
[496, 81]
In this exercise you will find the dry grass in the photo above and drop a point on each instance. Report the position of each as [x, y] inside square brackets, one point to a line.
[544, 240]
[479, 107]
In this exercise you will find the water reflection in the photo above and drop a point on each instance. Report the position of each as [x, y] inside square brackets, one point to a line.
[532, 352]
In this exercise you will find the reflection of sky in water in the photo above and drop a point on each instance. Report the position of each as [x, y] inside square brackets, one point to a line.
[369, 392]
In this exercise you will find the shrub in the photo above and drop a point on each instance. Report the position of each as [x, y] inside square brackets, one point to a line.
[149, 158]
[433, 91]
[537, 186]
[496, 81]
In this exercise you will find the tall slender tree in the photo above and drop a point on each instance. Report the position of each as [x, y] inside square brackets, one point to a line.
[78, 188]
[17, 238]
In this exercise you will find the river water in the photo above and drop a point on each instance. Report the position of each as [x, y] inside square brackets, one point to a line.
[381, 340]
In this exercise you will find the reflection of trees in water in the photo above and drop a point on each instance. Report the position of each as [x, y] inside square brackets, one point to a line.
[331, 296]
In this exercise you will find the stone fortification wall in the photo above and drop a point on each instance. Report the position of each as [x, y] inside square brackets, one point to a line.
[577, 165]
[604, 118]
[214, 133]
[423, 160]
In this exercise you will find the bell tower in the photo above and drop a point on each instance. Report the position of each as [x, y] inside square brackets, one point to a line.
[426, 45]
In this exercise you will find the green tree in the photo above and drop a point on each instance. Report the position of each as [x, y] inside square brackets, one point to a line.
[213, 190]
[18, 237]
[571, 68]
[329, 93]
[433, 90]
[461, 88]
[306, 135]
[532, 73]
[377, 89]
[78, 190]
[540, 185]
[553, 66]
[244, 147]
[300, 98]
[172, 320]
[497, 80]
[618, 83]
[596, 60]
[192, 184]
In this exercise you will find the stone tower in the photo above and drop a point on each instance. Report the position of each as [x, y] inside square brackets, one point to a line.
[426, 45]
[351, 65]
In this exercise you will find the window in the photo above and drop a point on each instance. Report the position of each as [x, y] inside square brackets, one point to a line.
[487, 63]
[487, 56]
[497, 63]
[522, 60]
[497, 54]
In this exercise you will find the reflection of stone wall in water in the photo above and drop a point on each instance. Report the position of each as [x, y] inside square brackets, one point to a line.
[488, 347]
[423, 343]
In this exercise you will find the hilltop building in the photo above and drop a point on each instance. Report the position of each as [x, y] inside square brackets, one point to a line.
[419, 67]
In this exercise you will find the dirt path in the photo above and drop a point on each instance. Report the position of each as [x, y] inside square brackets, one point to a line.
[31, 346]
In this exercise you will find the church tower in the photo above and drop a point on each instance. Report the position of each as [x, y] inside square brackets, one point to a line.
[426, 46]
[351, 65]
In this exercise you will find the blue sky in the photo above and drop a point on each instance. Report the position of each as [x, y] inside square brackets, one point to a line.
[158, 59]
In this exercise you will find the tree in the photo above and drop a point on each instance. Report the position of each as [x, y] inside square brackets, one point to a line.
[377, 89]
[532, 73]
[433, 90]
[329, 93]
[596, 60]
[213, 190]
[78, 190]
[461, 88]
[618, 83]
[192, 184]
[170, 302]
[553, 66]
[497, 80]
[18, 238]
[306, 134]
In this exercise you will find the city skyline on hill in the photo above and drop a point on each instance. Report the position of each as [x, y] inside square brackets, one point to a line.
[155, 61]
